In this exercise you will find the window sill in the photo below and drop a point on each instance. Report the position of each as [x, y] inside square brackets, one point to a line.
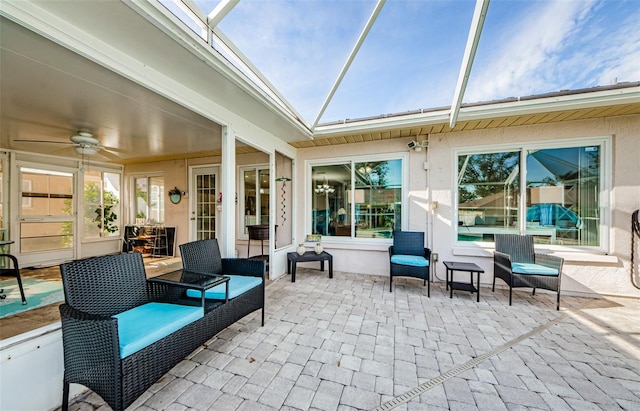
[353, 244]
[574, 257]
[100, 239]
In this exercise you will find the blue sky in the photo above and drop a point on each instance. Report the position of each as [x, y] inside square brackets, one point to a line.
[412, 55]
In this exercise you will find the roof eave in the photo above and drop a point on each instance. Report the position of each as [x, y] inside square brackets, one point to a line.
[483, 111]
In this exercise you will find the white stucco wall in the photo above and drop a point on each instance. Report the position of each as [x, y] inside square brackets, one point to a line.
[364, 256]
[584, 272]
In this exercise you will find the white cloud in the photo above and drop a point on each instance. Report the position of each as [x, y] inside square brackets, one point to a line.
[555, 46]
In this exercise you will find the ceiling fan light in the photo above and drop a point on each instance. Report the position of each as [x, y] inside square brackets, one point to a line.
[84, 137]
[86, 151]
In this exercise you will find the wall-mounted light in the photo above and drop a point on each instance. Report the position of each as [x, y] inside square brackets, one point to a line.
[175, 195]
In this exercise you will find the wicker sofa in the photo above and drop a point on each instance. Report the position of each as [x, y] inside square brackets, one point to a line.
[98, 291]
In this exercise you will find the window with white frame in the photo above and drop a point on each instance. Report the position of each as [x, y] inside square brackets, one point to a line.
[149, 199]
[549, 191]
[102, 207]
[361, 199]
[255, 196]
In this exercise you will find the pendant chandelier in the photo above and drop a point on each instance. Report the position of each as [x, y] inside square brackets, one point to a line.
[323, 189]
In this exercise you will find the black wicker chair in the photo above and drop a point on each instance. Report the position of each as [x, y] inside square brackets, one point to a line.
[203, 256]
[12, 269]
[517, 264]
[409, 258]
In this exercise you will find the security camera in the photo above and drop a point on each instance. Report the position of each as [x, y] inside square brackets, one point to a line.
[415, 145]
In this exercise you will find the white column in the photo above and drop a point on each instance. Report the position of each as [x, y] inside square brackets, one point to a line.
[227, 237]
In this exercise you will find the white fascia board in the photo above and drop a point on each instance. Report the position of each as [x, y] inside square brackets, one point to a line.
[629, 95]
[551, 104]
[383, 123]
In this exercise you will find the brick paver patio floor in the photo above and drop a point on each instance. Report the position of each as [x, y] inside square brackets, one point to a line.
[347, 343]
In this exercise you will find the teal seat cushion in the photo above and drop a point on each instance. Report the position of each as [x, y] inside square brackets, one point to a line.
[528, 268]
[141, 326]
[238, 284]
[412, 260]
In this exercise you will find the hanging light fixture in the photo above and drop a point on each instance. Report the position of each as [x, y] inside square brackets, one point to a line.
[325, 188]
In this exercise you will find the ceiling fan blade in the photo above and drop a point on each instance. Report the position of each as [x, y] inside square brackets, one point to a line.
[69, 143]
[66, 151]
[111, 149]
[108, 155]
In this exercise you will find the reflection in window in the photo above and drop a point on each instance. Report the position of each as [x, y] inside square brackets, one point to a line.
[563, 187]
[256, 197]
[357, 199]
[149, 199]
[488, 187]
[561, 197]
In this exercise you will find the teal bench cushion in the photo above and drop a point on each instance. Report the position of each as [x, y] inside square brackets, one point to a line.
[141, 326]
[413, 260]
[528, 268]
[238, 284]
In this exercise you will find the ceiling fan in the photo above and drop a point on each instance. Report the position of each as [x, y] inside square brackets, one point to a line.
[84, 143]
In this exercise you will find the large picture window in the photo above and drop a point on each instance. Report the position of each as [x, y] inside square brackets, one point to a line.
[361, 199]
[551, 193]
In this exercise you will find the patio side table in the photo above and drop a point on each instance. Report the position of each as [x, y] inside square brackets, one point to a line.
[294, 258]
[456, 285]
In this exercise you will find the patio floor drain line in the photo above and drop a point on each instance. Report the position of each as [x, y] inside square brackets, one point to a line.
[426, 386]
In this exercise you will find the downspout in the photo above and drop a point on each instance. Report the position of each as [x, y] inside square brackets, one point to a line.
[635, 232]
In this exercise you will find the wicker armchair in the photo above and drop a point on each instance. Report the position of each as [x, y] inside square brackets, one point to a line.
[409, 258]
[203, 256]
[517, 264]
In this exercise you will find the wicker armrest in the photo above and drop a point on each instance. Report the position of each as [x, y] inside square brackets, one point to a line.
[67, 311]
[244, 266]
[501, 257]
[165, 293]
[501, 263]
[549, 261]
[90, 341]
